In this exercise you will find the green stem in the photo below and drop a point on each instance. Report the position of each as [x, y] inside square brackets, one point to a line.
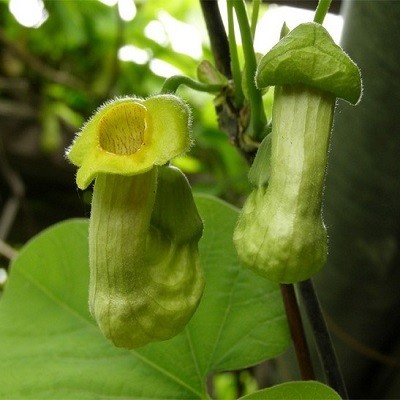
[235, 65]
[322, 10]
[171, 85]
[254, 17]
[257, 118]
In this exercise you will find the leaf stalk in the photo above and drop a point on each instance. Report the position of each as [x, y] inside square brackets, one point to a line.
[321, 10]
[297, 331]
[172, 84]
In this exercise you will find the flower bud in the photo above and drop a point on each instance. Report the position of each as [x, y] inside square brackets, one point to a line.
[280, 233]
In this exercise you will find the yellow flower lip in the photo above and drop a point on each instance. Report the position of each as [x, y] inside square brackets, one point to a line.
[121, 130]
[128, 136]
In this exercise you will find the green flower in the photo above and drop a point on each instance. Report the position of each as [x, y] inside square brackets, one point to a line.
[129, 136]
[280, 232]
[146, 279]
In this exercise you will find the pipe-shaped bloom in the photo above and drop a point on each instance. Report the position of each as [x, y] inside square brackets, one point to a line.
[145, 274]
[280, 233]
[128, 136]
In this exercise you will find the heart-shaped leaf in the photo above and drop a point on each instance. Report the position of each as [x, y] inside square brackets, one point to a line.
[51, 348]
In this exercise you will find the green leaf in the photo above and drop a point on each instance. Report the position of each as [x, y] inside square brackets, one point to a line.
[207, 73]
[305, 390]
[51, 348]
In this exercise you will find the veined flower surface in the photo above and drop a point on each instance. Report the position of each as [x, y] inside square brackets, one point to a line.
[128, 136]
[146, 279]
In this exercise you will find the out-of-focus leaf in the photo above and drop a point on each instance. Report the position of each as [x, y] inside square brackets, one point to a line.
[304, 390]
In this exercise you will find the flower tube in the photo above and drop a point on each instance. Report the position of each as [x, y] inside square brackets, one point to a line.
[145, 274]
[280, 233]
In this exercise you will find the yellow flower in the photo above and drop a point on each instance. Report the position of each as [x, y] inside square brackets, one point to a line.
[146, 279]
[128, 136]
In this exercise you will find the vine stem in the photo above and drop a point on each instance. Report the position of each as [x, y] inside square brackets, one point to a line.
[218, 39]
[322, 338]
[297, 331]
[254, 17]
[235, 65]
[321, 10]
[257, 116]
[171, 85]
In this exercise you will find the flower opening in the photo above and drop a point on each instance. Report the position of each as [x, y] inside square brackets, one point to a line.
[122, 129]
[129, 136]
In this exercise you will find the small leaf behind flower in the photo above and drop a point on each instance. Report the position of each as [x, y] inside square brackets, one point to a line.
[305, 390]
[261, 167]
[207, 73]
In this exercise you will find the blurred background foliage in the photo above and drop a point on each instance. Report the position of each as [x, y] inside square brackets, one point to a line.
[54, 76]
